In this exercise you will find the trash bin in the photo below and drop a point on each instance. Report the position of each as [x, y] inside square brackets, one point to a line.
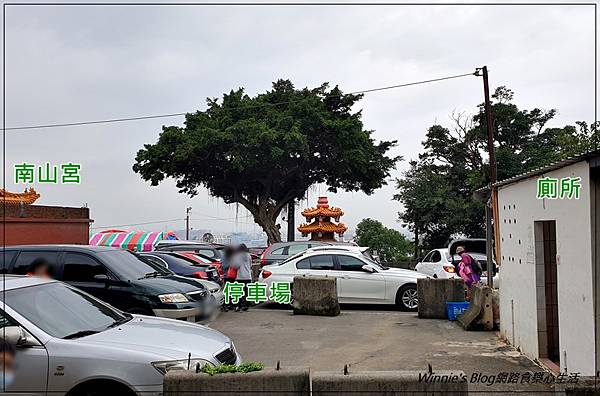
[455, 309]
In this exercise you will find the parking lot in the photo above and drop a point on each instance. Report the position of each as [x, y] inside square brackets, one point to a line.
[373, 338]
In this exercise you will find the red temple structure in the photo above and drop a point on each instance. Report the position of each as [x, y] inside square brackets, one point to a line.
[22, 223]
[322, 228]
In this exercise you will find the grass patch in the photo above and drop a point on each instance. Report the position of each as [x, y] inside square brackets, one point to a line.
[247, 367]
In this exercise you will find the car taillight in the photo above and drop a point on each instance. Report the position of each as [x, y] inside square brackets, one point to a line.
[266, 274]
[449, 268]
[200, 274]
[263, 257]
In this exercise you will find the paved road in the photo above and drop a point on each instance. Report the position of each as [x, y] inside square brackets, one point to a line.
[372, 339]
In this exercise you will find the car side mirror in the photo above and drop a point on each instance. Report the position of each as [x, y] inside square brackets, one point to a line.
[102, 278]
[14, 335]
[368, 268]
[419, 259]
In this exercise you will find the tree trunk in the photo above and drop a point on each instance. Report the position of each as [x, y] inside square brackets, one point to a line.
[270, 228]
[265, 215]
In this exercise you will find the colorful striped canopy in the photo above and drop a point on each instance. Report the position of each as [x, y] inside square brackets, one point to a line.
[135, 240]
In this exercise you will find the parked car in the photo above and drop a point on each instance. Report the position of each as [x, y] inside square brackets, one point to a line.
[442, 262]
[280, 251]
[118, 277]
[207, 249]
[257, 250]
[476, 247]
[359, 279]
[215, 290]
[202, 259]
[437, 264]
[184, 266]
[365, 251]
[69, 342]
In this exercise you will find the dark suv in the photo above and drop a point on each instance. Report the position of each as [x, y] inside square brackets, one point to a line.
[117, 277]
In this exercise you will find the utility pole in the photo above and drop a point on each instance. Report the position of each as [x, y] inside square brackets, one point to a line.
[187, 223]
[490, 126]
[490, 212]
[291, 216]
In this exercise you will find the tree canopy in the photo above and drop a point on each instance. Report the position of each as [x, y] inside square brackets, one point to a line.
[266, 151]
[390, 244]
[437, 190]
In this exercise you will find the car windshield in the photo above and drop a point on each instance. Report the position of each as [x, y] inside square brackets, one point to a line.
[62, 311]
[129, 266]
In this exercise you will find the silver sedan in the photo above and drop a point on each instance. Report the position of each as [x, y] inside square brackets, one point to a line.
[70, 342]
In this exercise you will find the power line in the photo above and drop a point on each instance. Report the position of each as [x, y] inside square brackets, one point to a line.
[137, 224]
[207, 217]
[108, 121]
[169, 115]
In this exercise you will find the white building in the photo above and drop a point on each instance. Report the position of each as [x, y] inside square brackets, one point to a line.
[549, 250]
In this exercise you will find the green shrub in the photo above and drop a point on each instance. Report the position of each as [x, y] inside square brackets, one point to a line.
[231, 368]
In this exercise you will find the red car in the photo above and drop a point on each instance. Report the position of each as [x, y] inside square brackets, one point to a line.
[184, 266]
[202, 259]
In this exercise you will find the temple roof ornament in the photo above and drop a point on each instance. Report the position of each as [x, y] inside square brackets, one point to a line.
[27, 197]
[322, 229]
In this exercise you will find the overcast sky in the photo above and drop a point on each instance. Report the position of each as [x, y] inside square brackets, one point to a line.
[66, 64]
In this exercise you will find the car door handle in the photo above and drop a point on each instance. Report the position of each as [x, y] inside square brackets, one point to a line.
[345, 277]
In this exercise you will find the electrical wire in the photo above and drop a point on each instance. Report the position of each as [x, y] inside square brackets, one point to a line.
[207, 217]
[136, 224]
[169, 115]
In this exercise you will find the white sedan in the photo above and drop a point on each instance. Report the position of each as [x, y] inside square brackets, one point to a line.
[359, 280]
[439, 264]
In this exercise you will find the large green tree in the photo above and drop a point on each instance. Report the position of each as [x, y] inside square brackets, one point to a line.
[390, 244]
[437, 190]
[265, 151]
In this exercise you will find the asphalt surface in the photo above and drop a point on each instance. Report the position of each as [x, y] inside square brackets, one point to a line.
[375, 338]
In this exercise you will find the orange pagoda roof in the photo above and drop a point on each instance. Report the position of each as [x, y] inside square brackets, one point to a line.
[310, 213]
[27, 198]
[323, 227]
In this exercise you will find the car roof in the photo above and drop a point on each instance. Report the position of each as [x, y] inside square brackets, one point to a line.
[86, 248]
[181, 242]
[345, 248]
[310, 252]
[11, 282]
[290, 243]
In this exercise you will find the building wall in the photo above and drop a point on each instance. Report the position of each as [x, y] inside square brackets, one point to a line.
[29, 225]
[519, 300]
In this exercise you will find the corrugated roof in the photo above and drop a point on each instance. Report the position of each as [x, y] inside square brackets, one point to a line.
[540, 171]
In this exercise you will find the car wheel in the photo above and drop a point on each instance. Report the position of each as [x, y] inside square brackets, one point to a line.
[407, 298]
[101, 388]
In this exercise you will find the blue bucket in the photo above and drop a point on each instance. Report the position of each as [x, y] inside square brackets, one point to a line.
[456, 308]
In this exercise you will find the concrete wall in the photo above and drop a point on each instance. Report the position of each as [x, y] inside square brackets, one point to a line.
[520, 300]
[390, 383]
[301, 382]
[290, 382]
[435, 293]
